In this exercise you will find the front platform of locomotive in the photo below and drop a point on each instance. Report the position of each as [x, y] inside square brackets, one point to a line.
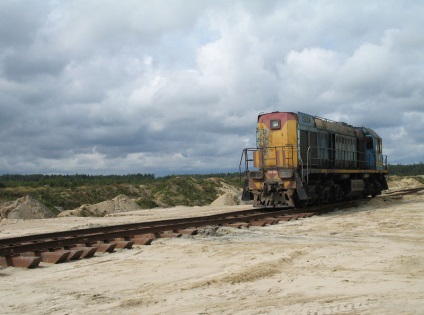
[271, 167]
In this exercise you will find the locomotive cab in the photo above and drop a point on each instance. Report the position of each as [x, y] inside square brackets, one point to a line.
[373, 150]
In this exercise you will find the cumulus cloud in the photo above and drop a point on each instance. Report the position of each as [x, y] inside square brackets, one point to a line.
[173, 87]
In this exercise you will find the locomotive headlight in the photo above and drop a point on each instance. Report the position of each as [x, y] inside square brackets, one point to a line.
[275, 124]
[285, 173]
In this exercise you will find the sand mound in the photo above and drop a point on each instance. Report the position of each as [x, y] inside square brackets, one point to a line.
[118, 204]
[397, 182]
[230, 196]
[227, 199]
[25, 208]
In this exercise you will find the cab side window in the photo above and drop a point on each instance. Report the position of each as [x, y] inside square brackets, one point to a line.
[368, 143]
[379, 146]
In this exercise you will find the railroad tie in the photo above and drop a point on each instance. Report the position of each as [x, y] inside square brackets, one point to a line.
[123, 244]
[142, 240]
[104, 247]
[87, 252]
[20, 261]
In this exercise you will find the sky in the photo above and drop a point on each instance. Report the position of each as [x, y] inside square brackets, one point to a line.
[175, 86]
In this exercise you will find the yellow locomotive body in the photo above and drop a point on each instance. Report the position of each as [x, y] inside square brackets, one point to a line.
[276, 157]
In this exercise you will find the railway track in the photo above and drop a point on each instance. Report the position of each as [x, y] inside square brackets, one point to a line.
[403, 192]
[29, 251]
[58, 247]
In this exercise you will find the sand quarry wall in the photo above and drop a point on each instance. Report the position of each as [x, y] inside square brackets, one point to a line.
[27, 207]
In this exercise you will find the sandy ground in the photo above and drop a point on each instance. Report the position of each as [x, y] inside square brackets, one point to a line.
[366, 260]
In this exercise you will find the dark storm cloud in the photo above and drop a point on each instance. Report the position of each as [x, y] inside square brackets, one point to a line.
[100, 87]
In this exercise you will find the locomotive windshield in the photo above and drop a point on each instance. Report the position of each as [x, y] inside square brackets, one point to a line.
[275, 124]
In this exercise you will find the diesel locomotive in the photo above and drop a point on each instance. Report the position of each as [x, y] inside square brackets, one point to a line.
[302, 160]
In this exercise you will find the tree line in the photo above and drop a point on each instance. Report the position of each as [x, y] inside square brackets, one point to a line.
[77, 180]
[37, 180]
[407, 170]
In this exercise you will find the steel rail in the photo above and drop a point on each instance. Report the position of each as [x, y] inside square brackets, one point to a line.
[401, 192]
[52, 240]
[94, 230]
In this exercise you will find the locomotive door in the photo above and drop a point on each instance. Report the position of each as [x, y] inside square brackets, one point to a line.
[379, 155]
[370, 152]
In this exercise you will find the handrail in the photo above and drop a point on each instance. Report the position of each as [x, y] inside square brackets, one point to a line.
[275, 156]
[241, 160]
[307, 165]
[301, 161]
[315, 157]
[357, 159]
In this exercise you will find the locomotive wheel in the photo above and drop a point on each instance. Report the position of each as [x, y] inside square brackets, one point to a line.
[318, 195]
[339, 194]
[327, 195]
[375, 189]
[299, 203]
